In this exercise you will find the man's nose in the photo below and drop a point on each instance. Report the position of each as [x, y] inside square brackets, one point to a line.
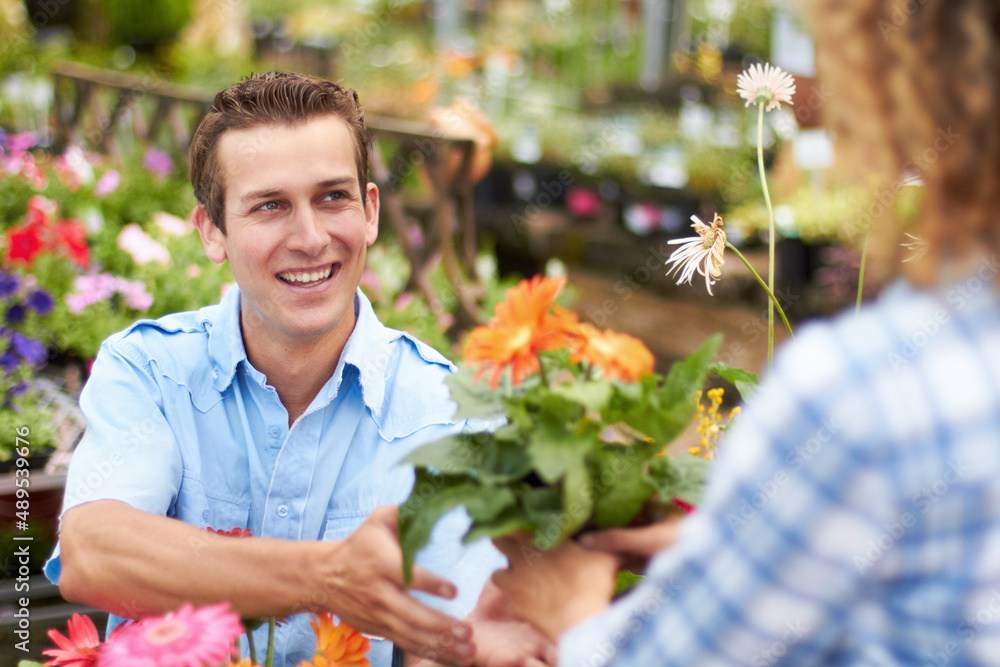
[306, 232]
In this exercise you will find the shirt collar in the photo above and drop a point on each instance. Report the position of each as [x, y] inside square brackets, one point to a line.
[367, 349]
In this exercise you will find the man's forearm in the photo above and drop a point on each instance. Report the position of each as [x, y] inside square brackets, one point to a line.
[133, 563]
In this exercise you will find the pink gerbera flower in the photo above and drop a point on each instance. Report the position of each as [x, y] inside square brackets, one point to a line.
[766, 85]
[184, 638]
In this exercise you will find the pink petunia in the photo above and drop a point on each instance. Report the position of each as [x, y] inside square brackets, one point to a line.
[108, 183]
[141, 246]
[91, 289]
[171, 224]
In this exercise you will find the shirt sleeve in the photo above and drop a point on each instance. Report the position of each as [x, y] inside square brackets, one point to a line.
[765, 570]
[128, 452]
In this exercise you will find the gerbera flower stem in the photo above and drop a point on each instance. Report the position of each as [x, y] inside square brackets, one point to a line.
[541, 371]
[861, 271]
[253, 647]
[770, 236]
[270, 642]
[773, 299]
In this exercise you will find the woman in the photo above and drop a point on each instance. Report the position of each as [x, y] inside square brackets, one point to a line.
[854, 515]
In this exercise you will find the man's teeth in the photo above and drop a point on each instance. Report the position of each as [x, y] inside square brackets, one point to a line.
[305, 277]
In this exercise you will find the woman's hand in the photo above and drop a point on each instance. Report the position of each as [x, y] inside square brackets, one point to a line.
[554, 590]
[634, 547]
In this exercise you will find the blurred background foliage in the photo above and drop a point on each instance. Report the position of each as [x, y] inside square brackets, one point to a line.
[614, 121]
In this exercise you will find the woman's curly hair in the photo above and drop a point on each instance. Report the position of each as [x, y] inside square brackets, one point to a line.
[916, 89]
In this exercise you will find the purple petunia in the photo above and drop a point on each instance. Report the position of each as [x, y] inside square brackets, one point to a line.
[9, 361]
[157, 162]
[8, 284]
[40, 301]
[31, 350]
[16, 313]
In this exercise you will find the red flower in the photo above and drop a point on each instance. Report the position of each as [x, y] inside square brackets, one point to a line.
[41, 210]
[682, 504]
[73, 237]
[40, 233]
[80, 649]
[26, 242]
[232, 532]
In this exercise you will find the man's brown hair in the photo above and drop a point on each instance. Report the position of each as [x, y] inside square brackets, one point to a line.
[274, 98]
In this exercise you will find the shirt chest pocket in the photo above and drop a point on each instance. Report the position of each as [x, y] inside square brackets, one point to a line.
[198, 508]
[340, 524]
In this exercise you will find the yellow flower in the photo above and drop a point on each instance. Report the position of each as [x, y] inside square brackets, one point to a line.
[710, 425]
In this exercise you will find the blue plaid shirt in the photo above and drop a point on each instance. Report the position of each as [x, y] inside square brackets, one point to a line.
[179, 423]
[853, 517]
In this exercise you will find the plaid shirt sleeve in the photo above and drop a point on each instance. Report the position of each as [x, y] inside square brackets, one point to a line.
[849, 518]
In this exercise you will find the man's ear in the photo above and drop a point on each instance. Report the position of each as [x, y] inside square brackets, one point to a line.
[371, 213]
[211, 236]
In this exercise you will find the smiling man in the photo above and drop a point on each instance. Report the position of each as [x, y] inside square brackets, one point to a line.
[282, 410]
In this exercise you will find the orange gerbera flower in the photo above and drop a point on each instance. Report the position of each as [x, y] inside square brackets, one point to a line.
[618, 356]
[337, 644]
[522, 326]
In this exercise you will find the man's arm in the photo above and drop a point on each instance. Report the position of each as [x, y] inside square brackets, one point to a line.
[134, 563]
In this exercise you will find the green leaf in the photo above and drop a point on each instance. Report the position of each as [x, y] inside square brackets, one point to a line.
[578, 499]
[553, 445]
[474, 399]
[510, 520]
[745, 382]
[626, 580]
[29, 663]
[593, 395]
[621, 487]
[687, 377]
[683, 477]
[668, 410]
[433, 496]
[481, 455]
[544, 508]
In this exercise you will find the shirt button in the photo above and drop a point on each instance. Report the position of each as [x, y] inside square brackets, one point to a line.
[205, 515]
[282, 510]
[275, 432]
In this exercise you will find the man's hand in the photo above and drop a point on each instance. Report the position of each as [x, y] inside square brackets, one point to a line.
[366, 590]
[554, 590]
[634, 546]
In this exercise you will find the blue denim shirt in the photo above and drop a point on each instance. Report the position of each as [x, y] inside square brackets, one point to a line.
[180, 424]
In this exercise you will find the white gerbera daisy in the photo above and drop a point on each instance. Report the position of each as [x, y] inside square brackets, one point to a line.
[703, 253]
[766, 85]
